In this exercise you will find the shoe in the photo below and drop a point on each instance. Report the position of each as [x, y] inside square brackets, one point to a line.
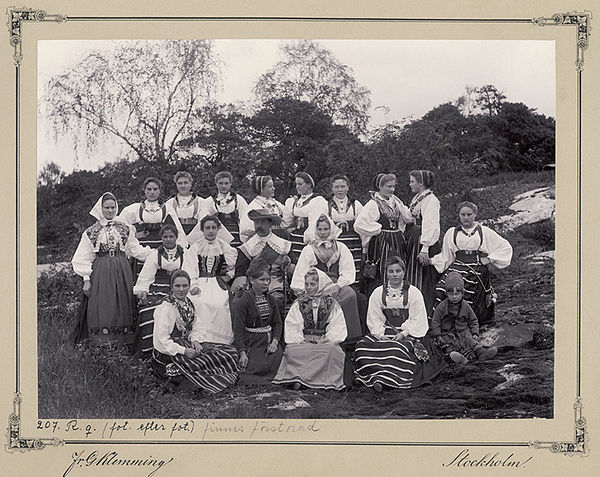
[487, 353]
[458, 358]
[378, 387]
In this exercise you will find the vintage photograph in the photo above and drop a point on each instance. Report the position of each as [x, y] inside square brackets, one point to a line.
[296, 229]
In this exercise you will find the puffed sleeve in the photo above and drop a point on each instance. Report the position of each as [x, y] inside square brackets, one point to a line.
[242, 206]
[288, 216]
[318, 206]
[305, 262]
[375, 316]
[210, 206]
[347, 267]
[230, 255]
[430, 226]
[294, 325]
[336, 325]
[357, 208]
[405, 212]
[164, 321]
[129, 214]
[133, 247]
[190, 264]
[499, 249]
[366, 224]
[416, 324]
[446, 257]
[170, 207]
[146, 276]
[246, 225]
[83, 257]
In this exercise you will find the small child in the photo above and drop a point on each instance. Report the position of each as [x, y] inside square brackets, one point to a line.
[455, 327]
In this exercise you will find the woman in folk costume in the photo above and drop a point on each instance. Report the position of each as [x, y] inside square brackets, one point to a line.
[264, 189]
[100, 259]
[257, 328]
[153, 283]
[381, 223]
[344, 210]
[298, 209]
[468, 249]
[228, 206]
[186, 208]
[147, 217]
[325, 252]
[211, 268]
[396, 353]
[180, 356]
[422, 236]
[314, 327]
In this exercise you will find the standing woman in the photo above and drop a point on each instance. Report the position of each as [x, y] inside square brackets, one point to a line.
[397, 353]
[179, 355]
[228, 206]
[344, 210]
[299, 208]
[381, 223]
[186, 208]
[468, 249]
[147, 217]
[100, 259]
[422, 236]
[264, 189]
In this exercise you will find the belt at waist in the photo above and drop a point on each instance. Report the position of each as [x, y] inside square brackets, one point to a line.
[262, 329]
[189, 221]
[470, 256]
[110, 253]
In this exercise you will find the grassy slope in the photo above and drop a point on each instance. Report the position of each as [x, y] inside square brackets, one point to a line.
[101, 383]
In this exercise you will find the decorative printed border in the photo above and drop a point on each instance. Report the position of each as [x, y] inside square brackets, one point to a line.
[581, 20]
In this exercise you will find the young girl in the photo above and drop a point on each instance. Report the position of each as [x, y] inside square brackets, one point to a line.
[314, 327]
[396, 353]
[257, 328]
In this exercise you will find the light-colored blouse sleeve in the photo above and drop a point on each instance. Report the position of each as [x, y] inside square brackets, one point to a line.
[164, 322]
[305, 262]
[375, 316]
[230, 255]
[446, 257]
[133, 247]
[190, 264]
[366, 224]
[146, 276]
[294, 325]
[347, 267]
[416, 324]
[405, 213]
[242, 206]
[336, 331]
[357, 208]
[499, 249]
[288, 217]
[84, 257]
[430, 226]
[129, 214]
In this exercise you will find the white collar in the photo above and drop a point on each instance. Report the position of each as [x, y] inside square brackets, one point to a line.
[340, 201]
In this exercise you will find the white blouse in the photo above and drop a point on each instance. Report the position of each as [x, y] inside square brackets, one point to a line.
[346, 211]
[165, 317]
[336, 331]
[308, 259]
[429, 210]
[498, 249]
[226, 207]
[259, 202]
[416, 324]
[208, 249]
[146, 276]
[151, 214]
[366, 222]
[303, 207]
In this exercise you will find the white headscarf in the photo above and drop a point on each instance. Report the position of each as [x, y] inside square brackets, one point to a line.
[97, 213]
[325, 283]
[310, 234]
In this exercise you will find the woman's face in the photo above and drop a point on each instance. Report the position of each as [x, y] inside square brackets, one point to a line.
[260, 285]
[169, 239]
[311, 285]
[339, 188]
[109, 209]
[210, 230]
[224, 185]
[387, 189]
[467, 217]
[395, 275]
[415, 185]
[323, 230]
[184, 186]
[180, 287]
[268, 189]
[303, 188]
[152, 191]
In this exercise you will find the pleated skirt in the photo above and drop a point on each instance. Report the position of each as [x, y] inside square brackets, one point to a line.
[352, 240]
[297, 239]
[158, 292]
[382, 246]
[422, 277]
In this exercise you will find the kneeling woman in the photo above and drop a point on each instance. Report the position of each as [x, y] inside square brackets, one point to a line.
[257, 328]
[396, 353]
[179, 355]
[314, 327]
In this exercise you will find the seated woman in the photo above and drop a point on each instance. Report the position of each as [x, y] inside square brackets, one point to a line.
[314, 327]
[468, 249]
[211, 267]
[332, 257]
[396, 353]
[257, 328]
[152, 285]
[180, 357]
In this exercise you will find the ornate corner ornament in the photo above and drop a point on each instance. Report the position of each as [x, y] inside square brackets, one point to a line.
[15, 441]
[582, 20]
[18, 15]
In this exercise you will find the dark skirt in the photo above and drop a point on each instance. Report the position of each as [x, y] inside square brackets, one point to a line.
[297, 239]
[215, 369]
[262, 367]
[422, 277]
[381, 246]
[352, 240]
[233, 226]
[477, 288]
[152, 240]
[405, 364]
[159, 290]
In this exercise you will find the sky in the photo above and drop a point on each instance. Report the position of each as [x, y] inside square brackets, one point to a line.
[407, 78]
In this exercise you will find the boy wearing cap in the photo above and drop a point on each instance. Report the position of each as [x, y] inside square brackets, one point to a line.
[455, 327]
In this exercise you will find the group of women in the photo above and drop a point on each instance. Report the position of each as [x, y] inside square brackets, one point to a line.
[267, 292]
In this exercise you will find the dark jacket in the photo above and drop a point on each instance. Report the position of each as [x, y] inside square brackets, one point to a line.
[443, 320]
[245, 315]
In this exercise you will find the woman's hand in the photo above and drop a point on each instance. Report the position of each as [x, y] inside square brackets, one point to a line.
[143, 298]
[195, 291]
[243, 360]
[226, 278]
[335, 290]
[399, 336]
[423, 258]
[87, 286]
[272, 346]
[485, 261]
[197, 346]
[190, 353]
